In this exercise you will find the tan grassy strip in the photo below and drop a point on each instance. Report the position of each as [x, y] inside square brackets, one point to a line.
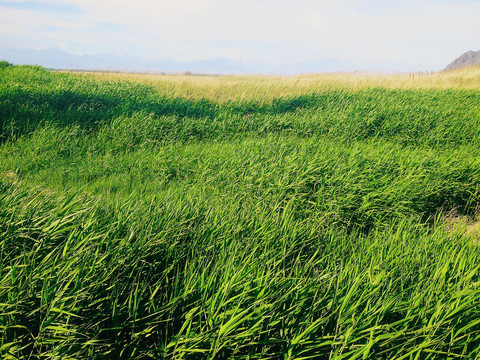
[267, 88]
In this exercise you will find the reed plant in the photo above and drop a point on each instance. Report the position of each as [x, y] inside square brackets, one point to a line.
[160, 217]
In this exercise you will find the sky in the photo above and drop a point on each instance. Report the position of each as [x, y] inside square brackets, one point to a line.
[403, 35]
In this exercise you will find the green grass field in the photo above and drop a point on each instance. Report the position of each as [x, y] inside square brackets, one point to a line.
[321, 217]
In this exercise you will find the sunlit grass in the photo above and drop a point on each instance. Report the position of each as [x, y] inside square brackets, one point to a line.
[313, 217]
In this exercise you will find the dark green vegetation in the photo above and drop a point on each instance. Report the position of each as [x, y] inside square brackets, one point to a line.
[4, 64]
[136, 225]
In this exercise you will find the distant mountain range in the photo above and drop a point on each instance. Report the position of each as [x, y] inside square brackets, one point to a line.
[470, 58]
[56, 58]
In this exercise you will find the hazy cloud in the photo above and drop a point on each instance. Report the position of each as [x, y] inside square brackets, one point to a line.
[425, 33]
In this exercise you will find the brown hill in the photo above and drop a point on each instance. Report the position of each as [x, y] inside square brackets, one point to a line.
[470, 58]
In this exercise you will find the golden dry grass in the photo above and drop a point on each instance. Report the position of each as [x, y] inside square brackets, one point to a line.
[225, 88]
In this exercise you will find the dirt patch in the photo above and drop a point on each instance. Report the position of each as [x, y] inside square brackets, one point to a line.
[466, 225]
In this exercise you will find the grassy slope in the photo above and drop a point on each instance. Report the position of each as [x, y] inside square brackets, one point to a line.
[237, 217]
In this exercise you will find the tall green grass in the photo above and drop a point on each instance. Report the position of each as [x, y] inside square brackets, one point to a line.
[135, 225]
[31, 98]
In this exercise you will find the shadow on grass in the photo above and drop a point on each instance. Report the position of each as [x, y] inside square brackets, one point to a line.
[408, 116]
[22, 111]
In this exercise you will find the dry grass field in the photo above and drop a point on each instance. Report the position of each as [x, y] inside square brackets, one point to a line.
[267, 88]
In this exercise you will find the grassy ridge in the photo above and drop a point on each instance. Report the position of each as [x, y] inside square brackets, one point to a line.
[29, 98]
[137, 224]
[352, 185]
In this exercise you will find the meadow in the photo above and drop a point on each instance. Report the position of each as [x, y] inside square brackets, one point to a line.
[325, 216]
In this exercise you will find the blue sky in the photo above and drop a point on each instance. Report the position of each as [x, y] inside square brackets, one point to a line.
[410, 34]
